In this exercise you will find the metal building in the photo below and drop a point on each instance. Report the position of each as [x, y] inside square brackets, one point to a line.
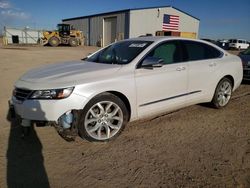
[103, 29]
[21, 36]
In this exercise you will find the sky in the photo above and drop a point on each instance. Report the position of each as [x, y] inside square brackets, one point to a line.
[219, 19]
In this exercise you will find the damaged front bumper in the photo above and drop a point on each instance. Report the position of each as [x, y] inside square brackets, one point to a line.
[47, 110]
[66, 126]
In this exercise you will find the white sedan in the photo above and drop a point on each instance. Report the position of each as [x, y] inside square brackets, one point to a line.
[127, 81]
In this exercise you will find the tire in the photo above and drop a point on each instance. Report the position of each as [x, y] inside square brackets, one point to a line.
[54, 41]
[103, 118]
[73, 42]
[222, 93]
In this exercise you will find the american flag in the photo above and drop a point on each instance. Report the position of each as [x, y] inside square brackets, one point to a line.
[170, 23]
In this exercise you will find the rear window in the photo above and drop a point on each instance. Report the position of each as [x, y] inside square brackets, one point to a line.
[200, 51]
[232, 41]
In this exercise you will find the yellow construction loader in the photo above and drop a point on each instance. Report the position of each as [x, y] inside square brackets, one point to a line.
[63, 35]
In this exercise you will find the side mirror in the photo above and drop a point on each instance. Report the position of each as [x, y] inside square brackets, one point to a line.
[152, 62]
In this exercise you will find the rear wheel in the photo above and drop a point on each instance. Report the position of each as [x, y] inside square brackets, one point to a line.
[54, 41]
[222, 93]
[103, 118]
[73, 42]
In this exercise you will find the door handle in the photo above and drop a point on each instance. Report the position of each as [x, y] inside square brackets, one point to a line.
[180, 68]
[212, 64]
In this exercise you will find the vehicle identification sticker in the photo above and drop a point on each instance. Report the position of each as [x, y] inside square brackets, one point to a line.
[136, 45]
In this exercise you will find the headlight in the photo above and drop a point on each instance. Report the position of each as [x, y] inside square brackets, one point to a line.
[52, 93]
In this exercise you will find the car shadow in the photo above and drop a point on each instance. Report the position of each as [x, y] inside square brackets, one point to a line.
[207, 105]
[25, 163]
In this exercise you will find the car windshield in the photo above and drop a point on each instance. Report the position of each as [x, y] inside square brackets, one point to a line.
[119, 53]
[246, 52]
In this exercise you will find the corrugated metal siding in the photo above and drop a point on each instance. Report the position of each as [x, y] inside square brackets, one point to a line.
[150, 20]
[82, 25]
[92, 27]
[96, 30]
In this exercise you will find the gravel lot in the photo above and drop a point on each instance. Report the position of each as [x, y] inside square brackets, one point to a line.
[194, 147]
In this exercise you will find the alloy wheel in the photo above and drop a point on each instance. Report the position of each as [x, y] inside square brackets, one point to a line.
[103, 120]
[224, 93]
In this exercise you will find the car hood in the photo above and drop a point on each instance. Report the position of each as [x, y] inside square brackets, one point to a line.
[66, 74]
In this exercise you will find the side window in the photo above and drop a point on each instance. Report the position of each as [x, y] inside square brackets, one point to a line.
[200, 51]
[195, 51]
[212, 52]
[170, 52]
[240, 41]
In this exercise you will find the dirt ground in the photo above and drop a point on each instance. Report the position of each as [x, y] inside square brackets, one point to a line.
[194, 147]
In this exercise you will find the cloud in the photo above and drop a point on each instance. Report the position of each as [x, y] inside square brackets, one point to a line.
[13, 14]
[4, 4]
[9, 12]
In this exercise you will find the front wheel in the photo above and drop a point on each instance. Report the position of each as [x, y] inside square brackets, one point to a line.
[73, 42]
[54, 41]
[103, 118]
[222, 93]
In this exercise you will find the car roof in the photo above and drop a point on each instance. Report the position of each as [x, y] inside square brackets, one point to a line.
[158, 39]
[164, 38]
[238, 39]
[152, 38]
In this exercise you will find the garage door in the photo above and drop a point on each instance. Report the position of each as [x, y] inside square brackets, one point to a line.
[109, 30]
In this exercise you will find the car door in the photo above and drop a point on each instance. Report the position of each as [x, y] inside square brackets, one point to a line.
[203, 63]
[162, 88]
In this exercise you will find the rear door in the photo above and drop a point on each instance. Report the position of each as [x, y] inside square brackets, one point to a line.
[163, 88]
[202, 62]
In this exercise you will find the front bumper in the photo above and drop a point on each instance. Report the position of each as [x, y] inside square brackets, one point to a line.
[47, 110]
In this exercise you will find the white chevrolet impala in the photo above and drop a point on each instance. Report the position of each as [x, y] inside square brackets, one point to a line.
[127, 81]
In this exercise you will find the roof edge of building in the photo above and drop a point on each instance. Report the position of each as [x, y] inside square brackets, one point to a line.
[186, 13]
[126, 10]
[99, 14]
